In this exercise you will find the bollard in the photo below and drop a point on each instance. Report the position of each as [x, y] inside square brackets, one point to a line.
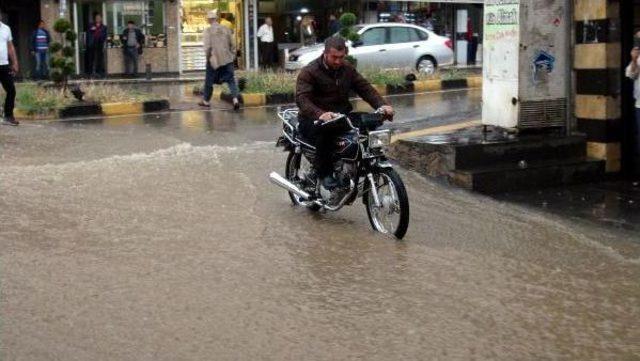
[148, 71]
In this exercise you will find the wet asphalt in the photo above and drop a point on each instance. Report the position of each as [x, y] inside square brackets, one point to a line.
[159, 237]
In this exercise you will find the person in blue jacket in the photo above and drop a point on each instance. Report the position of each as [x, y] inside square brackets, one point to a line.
[95, 42]
[40, 40]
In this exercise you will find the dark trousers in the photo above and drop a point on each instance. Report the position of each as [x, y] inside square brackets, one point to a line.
[131, 60]
[267, 54]
[637, 142]
[324, 142]
[223, 74]
[95, 60]
[6, 78]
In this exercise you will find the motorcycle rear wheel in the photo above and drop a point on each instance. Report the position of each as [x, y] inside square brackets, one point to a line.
[292, 173]
[392, 217]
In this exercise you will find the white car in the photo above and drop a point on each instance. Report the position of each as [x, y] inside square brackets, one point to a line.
[387, 45]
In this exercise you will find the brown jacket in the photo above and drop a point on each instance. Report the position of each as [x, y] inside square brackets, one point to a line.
[218, 45]
[320, 89]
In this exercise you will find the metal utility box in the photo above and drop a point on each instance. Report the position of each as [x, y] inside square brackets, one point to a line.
[526, 59]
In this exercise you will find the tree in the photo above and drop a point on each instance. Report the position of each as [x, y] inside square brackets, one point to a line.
[62, 52]
[347, 21]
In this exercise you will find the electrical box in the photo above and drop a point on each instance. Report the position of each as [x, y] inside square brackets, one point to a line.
[526, 60]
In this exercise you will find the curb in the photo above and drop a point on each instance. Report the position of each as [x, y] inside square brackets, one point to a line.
[100, 109]
[260, 99]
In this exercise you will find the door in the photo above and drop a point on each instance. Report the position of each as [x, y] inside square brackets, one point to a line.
[21, 16]
[403, 43]
[373, 50]
[86, 11]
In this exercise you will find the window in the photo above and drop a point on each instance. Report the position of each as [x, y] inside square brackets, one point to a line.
[418, 35]
[400, 35]
[374, 36]
[148, 15]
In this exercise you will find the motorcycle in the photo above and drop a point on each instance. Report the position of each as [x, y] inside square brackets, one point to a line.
[360, 168]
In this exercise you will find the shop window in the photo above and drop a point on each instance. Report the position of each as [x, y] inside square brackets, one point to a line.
[148, 15]
[375, 36]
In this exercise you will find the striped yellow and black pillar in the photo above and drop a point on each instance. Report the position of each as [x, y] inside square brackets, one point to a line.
[597, 61]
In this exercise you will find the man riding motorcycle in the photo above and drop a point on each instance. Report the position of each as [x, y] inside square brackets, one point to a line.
[322, 93]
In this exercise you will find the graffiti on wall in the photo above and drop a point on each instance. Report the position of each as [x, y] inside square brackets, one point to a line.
[542, 66]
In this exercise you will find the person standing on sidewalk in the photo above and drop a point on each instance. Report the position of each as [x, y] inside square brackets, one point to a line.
[96, 38]
[633, 73]
[220, 52]
[334, 25]
[132, 41]
[225, 20]
[8, 69]
[267, 43]
[40, 40]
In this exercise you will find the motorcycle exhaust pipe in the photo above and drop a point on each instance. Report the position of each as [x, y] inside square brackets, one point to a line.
[280, 181]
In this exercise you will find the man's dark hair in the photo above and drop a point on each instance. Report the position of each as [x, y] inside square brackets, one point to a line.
[131, 22]
[335, 42]
[40, 22]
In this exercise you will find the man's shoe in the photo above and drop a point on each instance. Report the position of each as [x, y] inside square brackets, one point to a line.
[10, 121]
[329, 183]
[204, 103]
[236, 104]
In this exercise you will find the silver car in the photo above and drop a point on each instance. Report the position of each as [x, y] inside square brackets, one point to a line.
[388, 45]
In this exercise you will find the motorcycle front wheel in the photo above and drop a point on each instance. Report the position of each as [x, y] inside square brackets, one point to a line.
[392, 215]
[292, 171]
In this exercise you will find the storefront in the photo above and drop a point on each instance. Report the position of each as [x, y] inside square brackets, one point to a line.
[172, 28]
[193, 21]
[157, 19]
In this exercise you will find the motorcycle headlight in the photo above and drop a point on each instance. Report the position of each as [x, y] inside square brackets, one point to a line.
[379, 139]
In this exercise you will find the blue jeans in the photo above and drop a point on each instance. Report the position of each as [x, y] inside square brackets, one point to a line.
[42, 65]
[224, 74]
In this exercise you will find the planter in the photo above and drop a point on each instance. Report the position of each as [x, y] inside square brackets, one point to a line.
[258, 99]
[85, 109]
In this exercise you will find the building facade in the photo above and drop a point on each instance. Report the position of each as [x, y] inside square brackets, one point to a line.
[604, 107]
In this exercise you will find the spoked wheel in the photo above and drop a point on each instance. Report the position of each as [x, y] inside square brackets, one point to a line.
[392, 215]
[294, 162]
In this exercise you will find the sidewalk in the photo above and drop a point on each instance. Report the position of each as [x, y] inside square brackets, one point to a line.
[611, 203]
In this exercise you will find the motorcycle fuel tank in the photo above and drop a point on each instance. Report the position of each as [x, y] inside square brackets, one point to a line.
[346, 146]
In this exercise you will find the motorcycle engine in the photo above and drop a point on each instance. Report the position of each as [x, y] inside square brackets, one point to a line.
[344, 172]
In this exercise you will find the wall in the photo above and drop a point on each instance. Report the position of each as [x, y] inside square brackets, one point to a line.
[597, 62]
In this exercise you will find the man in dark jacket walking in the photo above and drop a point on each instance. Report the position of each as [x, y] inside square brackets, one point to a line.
[322, 92]
[40, 40]
[96, 38]
[132, 43]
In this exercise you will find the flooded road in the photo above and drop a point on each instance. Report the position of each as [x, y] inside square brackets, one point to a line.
[160, 238]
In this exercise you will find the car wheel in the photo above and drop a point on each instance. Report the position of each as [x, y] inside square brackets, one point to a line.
[426, 65]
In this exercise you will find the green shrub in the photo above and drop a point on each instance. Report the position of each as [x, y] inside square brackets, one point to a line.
[62, 52]
[70, 36]
[348, 19]
[55, 47]
[62, 25]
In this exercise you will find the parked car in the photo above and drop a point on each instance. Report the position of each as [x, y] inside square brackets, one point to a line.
[388, 45]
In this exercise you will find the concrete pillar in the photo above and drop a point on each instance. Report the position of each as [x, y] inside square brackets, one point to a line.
[597, 60]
